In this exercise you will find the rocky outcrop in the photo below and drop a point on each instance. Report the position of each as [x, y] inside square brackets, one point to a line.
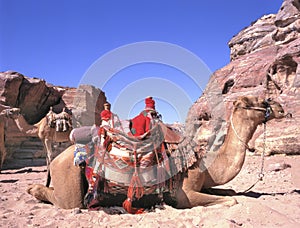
[31, 95]
[265, 61]
[86, 103]
[268, 31]
[34, 97]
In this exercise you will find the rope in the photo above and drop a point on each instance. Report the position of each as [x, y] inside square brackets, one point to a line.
[235, 132]
[261, 173]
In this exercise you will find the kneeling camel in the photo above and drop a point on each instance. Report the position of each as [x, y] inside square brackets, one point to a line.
[69, 184]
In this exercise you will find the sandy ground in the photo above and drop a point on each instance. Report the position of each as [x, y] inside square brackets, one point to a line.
[273, 202]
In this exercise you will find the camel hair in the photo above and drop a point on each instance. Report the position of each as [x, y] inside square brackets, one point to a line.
[69, 183]
[47, 133]
[5, 114]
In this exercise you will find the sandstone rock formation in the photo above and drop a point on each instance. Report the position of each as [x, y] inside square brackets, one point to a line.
[265, 61]
[34, 97]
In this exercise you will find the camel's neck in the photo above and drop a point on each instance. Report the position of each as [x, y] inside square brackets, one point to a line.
[225, 164]
[26, 128]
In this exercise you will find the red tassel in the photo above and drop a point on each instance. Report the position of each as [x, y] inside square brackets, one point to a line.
[127, 205]
[135, 188]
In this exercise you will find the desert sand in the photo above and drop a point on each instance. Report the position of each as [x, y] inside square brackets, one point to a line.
[272, 202]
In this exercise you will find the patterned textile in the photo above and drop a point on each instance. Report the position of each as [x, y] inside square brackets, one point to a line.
[80, 154]
[134, 166]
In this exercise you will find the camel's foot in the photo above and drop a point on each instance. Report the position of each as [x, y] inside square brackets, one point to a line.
[224, 201]
[229, 201]
[39, 191]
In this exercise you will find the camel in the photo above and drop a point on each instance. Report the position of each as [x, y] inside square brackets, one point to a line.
[4, 115]
[46, 130]
[69, 185]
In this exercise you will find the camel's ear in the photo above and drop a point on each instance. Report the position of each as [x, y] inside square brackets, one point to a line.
[246, 101]
[243, 102]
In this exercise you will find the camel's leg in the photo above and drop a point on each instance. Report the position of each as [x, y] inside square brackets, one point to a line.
[68, 181]
[202, 199]
[182, 200]
[48, 147]
[48, 181]
[2, 156]
[192, 186]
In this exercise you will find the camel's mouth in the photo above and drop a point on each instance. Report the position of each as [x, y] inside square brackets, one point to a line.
[280, 114]
[288, 115]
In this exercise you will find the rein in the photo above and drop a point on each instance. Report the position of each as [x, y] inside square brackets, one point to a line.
[261, 173]
[267, 111]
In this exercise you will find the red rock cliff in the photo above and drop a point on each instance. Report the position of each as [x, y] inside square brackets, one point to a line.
[265, 61]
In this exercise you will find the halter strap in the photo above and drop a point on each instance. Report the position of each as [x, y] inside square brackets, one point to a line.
[236, 134]
[267, 110]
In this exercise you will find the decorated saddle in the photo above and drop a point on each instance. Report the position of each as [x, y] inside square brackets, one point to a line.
[119, 163]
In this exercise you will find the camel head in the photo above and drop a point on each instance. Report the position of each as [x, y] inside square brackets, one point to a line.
[11, 112]
[258, 109]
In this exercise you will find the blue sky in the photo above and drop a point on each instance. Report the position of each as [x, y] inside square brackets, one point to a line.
[62, 41]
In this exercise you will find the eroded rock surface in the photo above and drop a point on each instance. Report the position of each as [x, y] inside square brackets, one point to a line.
[265, 59]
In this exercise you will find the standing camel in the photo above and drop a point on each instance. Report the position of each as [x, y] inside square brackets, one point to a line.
[4, 115]
[53, 128]
[69, 184]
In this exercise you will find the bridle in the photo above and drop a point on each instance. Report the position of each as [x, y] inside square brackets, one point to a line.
[267, 110]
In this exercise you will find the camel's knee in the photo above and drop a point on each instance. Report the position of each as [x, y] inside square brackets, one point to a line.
[38, 191]
[34, 189]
